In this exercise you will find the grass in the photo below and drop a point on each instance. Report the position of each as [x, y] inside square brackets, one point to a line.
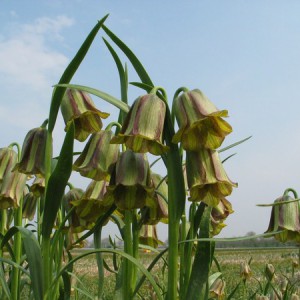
[229, 260]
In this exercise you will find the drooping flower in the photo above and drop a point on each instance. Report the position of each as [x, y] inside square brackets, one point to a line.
[217, 289]
[132, 188]
[32, 160]
[78, 106]
[38, 186]
[245, 270]
[98, 157]
[158, 212]
[269, 271]
[143, 127]
[8, 159]
[29, 206]
[207, 179]
[148, 236]
[219, 214]
[93, 203]
[200, 122]
[285, 218]
[11, 189]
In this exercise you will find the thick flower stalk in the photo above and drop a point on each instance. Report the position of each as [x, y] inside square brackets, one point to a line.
[143, 127]
[200, 123]
[158, 212]
[98, 158]
[32, 160]
[78, 106]
[132, 188]
[93, 203]
[207, 179]
[285, 218]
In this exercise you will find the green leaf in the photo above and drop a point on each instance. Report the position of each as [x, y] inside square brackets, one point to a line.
[139, 68]
[34, 257]
[57, 183]
[235, 144]
[108, 98]
[69, 72]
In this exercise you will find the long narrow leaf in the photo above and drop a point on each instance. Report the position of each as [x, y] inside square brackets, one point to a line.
[57, 183]
[139, 68]
[70, 71]
[34, 257]
[108, 98]
[234, 144]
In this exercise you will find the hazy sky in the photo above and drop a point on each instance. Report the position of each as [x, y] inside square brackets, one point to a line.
[244, 55]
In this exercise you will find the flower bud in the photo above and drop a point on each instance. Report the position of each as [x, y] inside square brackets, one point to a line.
[158, 212]
[32, 160]
[200, 122]
[93, 202]
[132, 187]
[78, 106]
[148, 236]
[217, 289]
[207, 179]
[98, 157]
[285, 218]
[143, 126]
[245, 271]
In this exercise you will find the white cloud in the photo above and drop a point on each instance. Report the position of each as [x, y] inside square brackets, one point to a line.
[26, 58]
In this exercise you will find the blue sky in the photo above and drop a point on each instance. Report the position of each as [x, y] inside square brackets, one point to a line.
[244, 55]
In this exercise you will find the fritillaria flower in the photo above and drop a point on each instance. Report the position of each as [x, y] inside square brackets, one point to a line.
[285, 218]
[269, 271]
[93, 203]
[207, 179]
[148, 236]
[8, 159]
[143, 127]
[29, 206]
[245, 271]
[132, 188]
[158, 212]
[98, 157]
[38, 186]
[217, 289]
[78, 106]
[32, 160]
[200, 122]
[11, 189]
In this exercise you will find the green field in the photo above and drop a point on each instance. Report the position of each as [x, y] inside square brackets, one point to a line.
[283, 259]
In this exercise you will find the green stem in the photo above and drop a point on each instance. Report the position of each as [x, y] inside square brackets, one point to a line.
[135, 243]
[3, 213]
[128, 248]
[182, 255]
[99, 259]
[291, 190]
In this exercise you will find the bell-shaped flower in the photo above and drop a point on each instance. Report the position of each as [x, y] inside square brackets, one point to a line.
[285, 218]
[132, 188]
[78, 106]
[148, 236]
[217, 289]
[200, 123]
[219, 214]
[207, 179]
[158, 212]
[143, 127]
[76, 224]
[245, 270]
[38, 186]
[98, 157]
[8, 159]
[11, 189]
[32, 160]
[269, 272]
[29, 206]
[93, 203]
